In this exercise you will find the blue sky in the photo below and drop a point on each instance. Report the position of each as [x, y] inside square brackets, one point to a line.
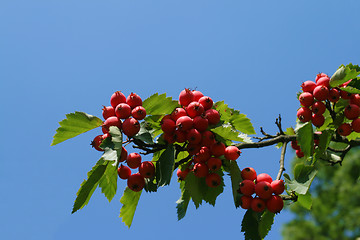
[58, 57]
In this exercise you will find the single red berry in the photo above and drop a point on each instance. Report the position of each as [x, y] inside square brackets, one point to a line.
[323, 81]
[108, 112]
[258, 205]
[263, 189]
[206, 102]
[278, 186]
[245, 202]
[248, 173]
[306, 99]
[112, 121]
[194, 136]
[168, 126]
[123, 154]
[123, 111]
[295, 145]
[133, 160]
[200, 170]
[202, 155]
[178, 112]
[356, 125]
[104, 130]
[213, 180]
[352, 111]
[321, 93]
[317, 120]
[344, 129]
[213, 116]
[275, 204]
[182, 174]
[320, 75]
[214, 163]
[139, 113]
[96, 143]
[117, 98]
[318, 107]
[136, 182]
[299, 153]
[355, 99]
[131, 127]
[208, 139]
[184, 123]
[169, 138]
[304, 114]
[124, 172]
[263, 177]
[200, 123]
[308, 86]
[247, 187]
[180, 136]
[134, 100]
[194, 109]
[218, 149]
[186, 97]
[193, 148]
[232, 153]
[106, 135]
[345, 95]
[147, 169]
[197, 95]
[334, 95]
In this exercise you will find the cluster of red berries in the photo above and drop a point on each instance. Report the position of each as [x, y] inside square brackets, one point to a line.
[125, 113]
[299, 153]
[314, 98]
[267, 191]
[190, 124]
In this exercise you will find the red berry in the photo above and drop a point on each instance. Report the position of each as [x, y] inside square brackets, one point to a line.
[320, 75]
[214, 163]
[194, 109]
[212, 116]
[168, 126]
[278, 186]
[258, 205]
[186, 97]
[248, 173]
[208, 139]
[295, 145]
[317, 120]
[182, 174]
[321, 93]
[213, 180]
[193, 148]
[117, 98]
[96, 143]
[108, 112]
[136, 182]
[306, 99]
[344, 129]
[206, 102]
[275, 204]
[308, 86]
[131, 127]
[334, 95]
[323, 81]
[345, 95]
[232, 153]
[180, 136]
[133, 160]
[318, 107]
[197, 95]
[200, 123]
[124, 172]
[263, 189]
[112, 121]
[304, 114]
[134, 100]
[263, 177]
[123, 111]
[178, 112]
[147, 169]
[245, 202]
[352, 111]
[299, 153]
[203, 155]
[184, 123]
[123, 154]
[139, 113]
[218, 149]
[355, 99]
[200, 170]
[356, 125]
[194, 136]
[169, 138]
[247, 187]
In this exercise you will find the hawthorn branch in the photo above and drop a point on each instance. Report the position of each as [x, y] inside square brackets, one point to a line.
[282, 160]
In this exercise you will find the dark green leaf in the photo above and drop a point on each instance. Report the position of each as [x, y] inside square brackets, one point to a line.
[89, 185]
[305, 137]
[150, 185]
[75, 124]
[303, 177]
[159, 104]
[145, 133]
[305, 200]
[130, 200]
[194, 187]
[183, 202]
[250, 225]
[108, 182]
[266, 221]
[344, 74]
[235, 176]
[165, 166]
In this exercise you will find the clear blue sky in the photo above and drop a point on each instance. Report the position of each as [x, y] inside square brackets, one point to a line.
[58, 57]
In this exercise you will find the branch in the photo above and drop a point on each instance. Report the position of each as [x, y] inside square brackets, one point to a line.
[282, 158]
[274, 140]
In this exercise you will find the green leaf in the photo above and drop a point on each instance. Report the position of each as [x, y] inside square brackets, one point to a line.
[130, 200]
[145, 133]
[235, 176]
[116, 139]
[75, 124]
[150, 185]
[183, 202]
[194, 187]
[344, 74]
[226, 133]
[165, 166]
[159, 104]
[89, 185]
[108, 182]
[211, 193]
[305, 137]
[305, 200]
[266, 221]
[303, 177]
[250, 225]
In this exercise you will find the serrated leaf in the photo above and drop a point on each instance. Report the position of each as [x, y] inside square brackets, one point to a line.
[145, 133]
[116, 139]
[303, 177]
[159, 104]
[250, 225]
[89, 185]
[266, 221]
[108, 182]
[305, 200]
[150, 185]
[350, 89]
[235, 176]
[165, 166]
[183, 201]
[305, 137]
[194, 188]
[75, 124]
[130, 200]
[343, 74]
[226, 134]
